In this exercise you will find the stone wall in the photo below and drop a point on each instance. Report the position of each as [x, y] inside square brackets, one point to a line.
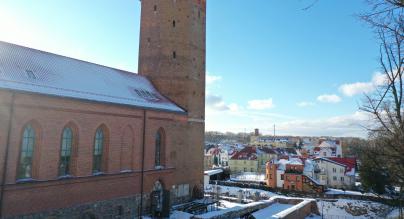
[116, 208]
[305, 209]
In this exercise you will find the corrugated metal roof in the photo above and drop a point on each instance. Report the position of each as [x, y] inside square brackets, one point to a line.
[29, 70]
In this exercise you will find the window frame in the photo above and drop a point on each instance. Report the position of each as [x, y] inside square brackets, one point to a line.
[62, 159]
[98, 165]
[32, 135]
[159, 149]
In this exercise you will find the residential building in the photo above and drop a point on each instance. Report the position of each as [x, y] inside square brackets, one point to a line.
[336, 172]
[246, 160]
[328, 148]
[252, 159]
[291, 175]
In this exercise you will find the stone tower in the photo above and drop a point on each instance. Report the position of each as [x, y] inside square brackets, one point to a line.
[172, 56]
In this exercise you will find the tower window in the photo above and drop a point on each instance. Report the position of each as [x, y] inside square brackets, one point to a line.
[174, 23]
[174, 55]
[155, 8]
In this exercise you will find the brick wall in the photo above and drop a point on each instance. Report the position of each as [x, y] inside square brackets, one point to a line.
[271, 175]
[125, 136]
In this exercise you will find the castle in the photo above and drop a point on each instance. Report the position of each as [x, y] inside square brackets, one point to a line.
[81, 140]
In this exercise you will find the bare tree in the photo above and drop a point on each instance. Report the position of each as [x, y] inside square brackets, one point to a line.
[384, 157]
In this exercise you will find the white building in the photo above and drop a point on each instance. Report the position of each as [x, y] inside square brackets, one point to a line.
[328, 149]
[282, 167]
[336, 172]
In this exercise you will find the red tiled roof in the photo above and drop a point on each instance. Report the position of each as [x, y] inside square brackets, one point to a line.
[349, 162]
[268, 150]
[248, 153]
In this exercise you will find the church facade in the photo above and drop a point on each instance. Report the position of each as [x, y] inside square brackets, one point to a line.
[81, 140]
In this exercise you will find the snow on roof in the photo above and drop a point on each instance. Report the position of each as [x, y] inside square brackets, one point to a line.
[267, 150]
[295, 161]
[329, 144]
[270, 211]
[28, 70]
[282, 164]
[286, 212]
[247, 153]
[308, 166]
[213, 172]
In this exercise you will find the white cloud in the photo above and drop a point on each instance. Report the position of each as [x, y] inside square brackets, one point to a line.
[344, 125]
[260, 104]
[216, 103]
[210, 79]
[353, 89]
[350, 125]
[234, 107]
[329, 98]
[305, 104]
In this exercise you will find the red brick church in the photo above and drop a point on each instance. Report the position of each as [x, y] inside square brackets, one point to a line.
[81, 140]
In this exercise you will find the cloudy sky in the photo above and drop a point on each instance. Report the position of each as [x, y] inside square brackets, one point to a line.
[268, 61]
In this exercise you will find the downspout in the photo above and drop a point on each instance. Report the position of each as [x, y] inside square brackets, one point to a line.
[3, 179]
[142, 172]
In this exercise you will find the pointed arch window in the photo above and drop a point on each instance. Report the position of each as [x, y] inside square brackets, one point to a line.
[98, 150]
[27, 153]
[159, 148]
[66, 152]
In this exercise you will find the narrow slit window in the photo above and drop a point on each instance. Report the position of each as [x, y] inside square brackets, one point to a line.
[174, 55]
[155, 8]
[174, 23]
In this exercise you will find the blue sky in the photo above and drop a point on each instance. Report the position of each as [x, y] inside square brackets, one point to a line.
[268, 61]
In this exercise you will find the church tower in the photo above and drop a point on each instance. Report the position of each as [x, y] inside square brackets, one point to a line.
[172, 51]
[172, 55]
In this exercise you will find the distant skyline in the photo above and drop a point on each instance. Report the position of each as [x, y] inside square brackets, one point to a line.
[268, 62]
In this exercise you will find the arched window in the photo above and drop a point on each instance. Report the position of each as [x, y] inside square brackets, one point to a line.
[27, 153]
[98, 151]
[66, 152]
[159, 155]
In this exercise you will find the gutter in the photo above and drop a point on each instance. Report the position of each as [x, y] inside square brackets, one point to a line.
[142, 171]
[3, 180]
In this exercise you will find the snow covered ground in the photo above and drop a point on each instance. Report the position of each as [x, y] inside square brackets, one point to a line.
[347, 208]
[342, 208]
[347, 192]
[248, 176]
[235, 191]
[394, 214]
